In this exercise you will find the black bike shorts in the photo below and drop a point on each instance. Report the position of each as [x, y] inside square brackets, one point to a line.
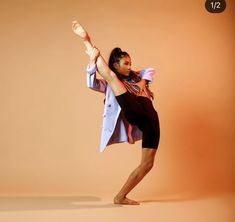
[139, 111]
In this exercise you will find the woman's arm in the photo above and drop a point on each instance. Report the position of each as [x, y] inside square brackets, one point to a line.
[92, 82]
[146, 78]
[102, 67]
[147, 74]
[101, 64]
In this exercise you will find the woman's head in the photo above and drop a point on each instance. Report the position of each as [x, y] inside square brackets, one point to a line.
[120, 62]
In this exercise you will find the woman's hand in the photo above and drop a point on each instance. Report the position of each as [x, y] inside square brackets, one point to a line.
[94, 53]
[141, 84]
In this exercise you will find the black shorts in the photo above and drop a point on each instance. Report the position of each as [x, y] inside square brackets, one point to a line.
[139, 111]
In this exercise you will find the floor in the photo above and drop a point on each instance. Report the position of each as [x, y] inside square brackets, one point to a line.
[99, 208]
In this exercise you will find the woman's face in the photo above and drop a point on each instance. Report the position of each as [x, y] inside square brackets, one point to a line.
[124, 66]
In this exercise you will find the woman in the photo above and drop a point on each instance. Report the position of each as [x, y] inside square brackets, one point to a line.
[128, 107]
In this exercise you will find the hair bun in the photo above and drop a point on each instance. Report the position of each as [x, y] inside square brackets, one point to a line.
[117, 51]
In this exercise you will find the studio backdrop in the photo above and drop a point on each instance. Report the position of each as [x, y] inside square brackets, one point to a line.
[50, 122]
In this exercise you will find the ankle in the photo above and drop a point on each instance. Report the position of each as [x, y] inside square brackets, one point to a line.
[87, 38]
[121, 196]
[88, 45]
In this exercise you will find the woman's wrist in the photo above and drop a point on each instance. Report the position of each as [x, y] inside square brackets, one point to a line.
[92, 62]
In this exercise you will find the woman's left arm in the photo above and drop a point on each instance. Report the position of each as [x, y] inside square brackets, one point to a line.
[146, 77]
[147, 74]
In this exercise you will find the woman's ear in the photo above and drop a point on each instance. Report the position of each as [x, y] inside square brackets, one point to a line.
[115, 65]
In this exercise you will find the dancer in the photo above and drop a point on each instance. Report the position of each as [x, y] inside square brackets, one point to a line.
[129, 113]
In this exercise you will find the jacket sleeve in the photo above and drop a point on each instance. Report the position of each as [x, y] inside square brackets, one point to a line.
[147, 74]
[94, 83]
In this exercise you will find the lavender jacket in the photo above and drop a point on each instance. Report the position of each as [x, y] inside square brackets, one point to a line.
[113, 127]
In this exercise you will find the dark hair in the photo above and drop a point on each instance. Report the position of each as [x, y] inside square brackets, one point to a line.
[115, 56]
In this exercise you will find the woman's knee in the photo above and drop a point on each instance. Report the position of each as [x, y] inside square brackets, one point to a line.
[147, 165]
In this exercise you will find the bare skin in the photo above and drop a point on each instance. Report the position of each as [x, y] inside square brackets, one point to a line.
[118, 88]
[103, 69]
[124, 68]
[136, 176]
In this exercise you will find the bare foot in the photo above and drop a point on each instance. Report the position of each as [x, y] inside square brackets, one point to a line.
[80, 31]
[124, 200]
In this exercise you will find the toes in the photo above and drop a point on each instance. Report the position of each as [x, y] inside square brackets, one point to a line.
[74, 23]
[126, 201]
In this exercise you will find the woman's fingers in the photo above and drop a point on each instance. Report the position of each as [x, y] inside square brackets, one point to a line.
[96, 51]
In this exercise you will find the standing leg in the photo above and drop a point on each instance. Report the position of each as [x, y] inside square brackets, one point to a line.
[103, 69]
[136, 176]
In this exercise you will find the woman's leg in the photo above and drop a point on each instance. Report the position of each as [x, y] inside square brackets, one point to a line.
[140, 111]
[136, 176]
[103, 69]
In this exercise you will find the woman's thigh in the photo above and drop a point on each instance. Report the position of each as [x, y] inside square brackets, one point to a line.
[132, 109]
[116, 85]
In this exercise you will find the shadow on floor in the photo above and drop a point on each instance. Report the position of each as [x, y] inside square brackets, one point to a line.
[52, 203]
[180, 197]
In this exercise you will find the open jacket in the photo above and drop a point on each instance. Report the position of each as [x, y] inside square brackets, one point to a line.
[113, 128]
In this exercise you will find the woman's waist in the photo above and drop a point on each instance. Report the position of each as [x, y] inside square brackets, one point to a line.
[141, 93]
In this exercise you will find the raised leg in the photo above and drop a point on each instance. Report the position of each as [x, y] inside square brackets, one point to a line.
[136, 176]
[103, 69]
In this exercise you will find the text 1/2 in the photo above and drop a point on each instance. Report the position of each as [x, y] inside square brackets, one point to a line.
[215, 6]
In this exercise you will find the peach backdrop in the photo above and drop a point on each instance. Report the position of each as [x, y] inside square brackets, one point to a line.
[51, 122]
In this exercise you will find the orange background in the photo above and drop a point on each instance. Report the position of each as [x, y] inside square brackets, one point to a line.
[51, 122]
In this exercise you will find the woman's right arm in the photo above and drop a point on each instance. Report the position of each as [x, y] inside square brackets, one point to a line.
[92, 82]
